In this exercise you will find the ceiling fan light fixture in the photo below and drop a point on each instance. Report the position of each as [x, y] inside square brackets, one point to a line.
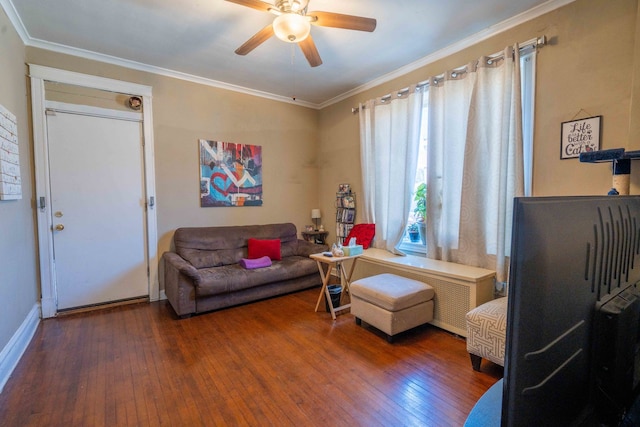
[298, 5]
[291, 5]
[291, 27]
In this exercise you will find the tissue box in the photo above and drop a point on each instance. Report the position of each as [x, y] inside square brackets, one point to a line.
[352, 250]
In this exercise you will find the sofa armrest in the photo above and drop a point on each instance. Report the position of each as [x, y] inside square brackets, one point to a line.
[180, 264]
[307, 248]
[179, 283]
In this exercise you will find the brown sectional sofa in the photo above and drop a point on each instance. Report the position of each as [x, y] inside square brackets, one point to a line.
[203, 273]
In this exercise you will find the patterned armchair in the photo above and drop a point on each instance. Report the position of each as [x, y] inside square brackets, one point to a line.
[486, 331]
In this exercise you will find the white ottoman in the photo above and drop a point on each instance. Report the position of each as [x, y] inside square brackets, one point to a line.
[486, 332]
[391, 303]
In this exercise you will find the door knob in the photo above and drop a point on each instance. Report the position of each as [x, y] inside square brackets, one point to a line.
[59, 227]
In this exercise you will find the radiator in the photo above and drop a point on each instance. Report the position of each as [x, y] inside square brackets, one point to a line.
[458, 288]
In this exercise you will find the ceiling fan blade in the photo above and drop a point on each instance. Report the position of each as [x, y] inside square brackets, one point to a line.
[310, 51]
[255, 4]
[255, 41]
[338, 20]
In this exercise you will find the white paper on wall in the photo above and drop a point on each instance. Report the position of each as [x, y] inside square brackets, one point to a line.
[10, 182]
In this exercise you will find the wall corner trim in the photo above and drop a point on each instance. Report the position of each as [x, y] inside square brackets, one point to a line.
[15, 348]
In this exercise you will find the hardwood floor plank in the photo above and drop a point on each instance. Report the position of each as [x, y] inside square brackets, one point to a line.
[273, 362]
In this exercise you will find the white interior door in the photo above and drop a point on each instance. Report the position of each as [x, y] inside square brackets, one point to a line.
[98, 209]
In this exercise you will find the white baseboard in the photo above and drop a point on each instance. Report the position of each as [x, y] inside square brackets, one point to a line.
[15, 348]
[161, 296]
[49, 308]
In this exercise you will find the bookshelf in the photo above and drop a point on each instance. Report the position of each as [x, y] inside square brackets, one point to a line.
[345, 212]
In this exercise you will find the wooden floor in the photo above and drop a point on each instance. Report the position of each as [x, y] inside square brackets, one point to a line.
[273, 362]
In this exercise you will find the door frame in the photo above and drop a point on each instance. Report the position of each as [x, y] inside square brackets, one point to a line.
[38, 75]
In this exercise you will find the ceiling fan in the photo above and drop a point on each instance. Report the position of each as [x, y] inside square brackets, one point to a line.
[293, 25]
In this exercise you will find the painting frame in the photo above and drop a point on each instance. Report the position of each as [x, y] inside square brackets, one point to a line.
[230, 174]
[580, 136]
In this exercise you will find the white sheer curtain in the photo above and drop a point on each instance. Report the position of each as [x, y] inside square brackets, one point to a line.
[389, 142]
[475, 165]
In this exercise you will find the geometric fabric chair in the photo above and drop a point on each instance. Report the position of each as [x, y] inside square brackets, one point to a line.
[486, 332]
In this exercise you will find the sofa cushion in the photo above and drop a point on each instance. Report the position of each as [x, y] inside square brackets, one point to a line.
[231, 278]
[258, 248]
[392, 292]
[291, 248]
[205, 247]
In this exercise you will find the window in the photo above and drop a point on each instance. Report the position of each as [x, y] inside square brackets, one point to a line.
[414, 242]
[417, 245]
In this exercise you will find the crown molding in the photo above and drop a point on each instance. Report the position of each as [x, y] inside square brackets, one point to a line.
[546, 7]
[13, 16]
[139, 66]
[453, 48]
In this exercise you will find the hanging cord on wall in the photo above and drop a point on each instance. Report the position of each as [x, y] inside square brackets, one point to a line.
[582, 110]
[524, 47]
[293, 69]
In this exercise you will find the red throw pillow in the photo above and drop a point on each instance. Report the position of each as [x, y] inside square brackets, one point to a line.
[363, 233]
[262, 247]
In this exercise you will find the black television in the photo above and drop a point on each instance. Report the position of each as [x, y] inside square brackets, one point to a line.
[573, 321]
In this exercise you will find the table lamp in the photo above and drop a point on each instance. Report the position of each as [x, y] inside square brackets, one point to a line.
[315, 215]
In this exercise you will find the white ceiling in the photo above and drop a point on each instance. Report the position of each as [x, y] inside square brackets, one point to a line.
[196, 39]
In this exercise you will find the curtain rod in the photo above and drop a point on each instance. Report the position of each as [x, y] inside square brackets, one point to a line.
[532, 43]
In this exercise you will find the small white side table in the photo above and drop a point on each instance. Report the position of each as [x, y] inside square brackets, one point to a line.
[334, 263]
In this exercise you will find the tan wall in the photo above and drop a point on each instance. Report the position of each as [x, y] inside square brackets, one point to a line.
[588, 67]
[183, 113]
[19, 283]
[634, 124]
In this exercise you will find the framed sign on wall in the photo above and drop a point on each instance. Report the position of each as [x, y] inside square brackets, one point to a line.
[580, 136]
[10, 181]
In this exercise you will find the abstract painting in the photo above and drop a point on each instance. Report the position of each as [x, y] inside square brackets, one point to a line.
[230, 174]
